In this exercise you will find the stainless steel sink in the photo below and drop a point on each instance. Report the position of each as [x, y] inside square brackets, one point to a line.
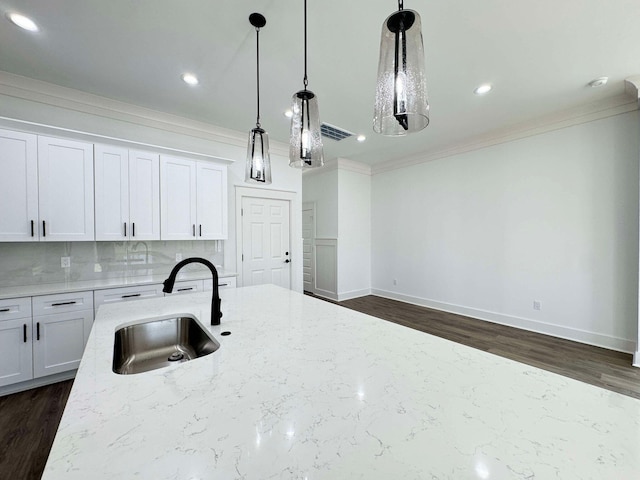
[154, 344]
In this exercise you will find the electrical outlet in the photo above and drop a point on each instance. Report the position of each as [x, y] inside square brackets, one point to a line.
[65, 262]
[536, 305]
[178, 257]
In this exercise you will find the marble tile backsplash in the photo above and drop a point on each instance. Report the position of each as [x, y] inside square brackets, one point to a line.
[35, 263]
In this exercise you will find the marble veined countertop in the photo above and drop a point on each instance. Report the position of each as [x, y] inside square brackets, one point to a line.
[304, 389]
[100, 284]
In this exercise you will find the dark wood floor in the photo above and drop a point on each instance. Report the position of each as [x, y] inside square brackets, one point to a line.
[29, 420]
[596, 366]
[28, 424]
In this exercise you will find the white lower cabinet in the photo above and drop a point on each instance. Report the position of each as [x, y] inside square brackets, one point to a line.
[226, 282]
[60, 330]
[125, 294]
[15, 341]
[43, 335]
[186, 286]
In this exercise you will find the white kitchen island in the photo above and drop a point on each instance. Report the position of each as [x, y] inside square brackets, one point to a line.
[304, 389]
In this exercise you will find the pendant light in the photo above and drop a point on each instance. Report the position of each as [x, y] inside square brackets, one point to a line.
[305, 150]
[258, 161]
[401, 95]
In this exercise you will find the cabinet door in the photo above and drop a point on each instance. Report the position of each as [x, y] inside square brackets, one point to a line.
[177, 198]
[15, 345]
[144, 194]
[18, 187]
[212, 201]
[112, 193]
[65, 179]
[59, 341]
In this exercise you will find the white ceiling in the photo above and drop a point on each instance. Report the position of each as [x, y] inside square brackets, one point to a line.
[538, 55]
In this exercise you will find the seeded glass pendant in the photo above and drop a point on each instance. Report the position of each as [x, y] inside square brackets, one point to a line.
[258, 161]
[305, 149]
[401, 94]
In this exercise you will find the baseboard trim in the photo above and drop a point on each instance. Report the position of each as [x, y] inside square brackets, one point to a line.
[568, 333]
[636, 359]
[353, 294]
[37, 382]
[326, 294]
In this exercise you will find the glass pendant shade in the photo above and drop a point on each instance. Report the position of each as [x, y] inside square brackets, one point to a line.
[258, 161]
[305, 149]
[401, 94]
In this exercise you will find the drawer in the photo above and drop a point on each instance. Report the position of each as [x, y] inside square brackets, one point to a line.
[63, 302]
[15, 308]
[125, 294]
[226, 282]
[186, 286]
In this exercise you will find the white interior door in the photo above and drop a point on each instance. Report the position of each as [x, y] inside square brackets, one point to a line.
[308, 236]
[266, 253]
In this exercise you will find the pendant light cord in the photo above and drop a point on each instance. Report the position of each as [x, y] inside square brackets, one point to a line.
[306, 81]
[258, 74]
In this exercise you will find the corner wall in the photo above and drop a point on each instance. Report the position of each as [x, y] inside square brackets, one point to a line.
[551, 218]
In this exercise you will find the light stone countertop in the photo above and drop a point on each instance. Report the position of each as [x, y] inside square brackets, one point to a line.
[304, 389]
[101, 284]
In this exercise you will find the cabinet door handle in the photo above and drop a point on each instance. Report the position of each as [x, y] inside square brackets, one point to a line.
[194, 229]
[131, 295]
[24, 332]
[200, 229]
[38, 331]
[32, 229]
[44, 228]
[125, 229]
[5, 310]
[133, 229]
[63, 303]
[185, 289]
[223, 284]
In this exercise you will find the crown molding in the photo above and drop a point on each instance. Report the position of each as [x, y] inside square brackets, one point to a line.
[339, 164]
[632, 87]
[63, 97]
[609, 107]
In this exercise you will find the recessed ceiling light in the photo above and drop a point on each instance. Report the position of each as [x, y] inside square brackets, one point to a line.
[23, 22]
[482, 89]
[598, 82]
[190, 79]
[361, 138]
[288, 113]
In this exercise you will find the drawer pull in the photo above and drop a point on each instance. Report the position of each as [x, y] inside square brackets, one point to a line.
[223, 284]
[38, 331]
[131, 295]
[185, 289]
[24, 332]
[63, 303]
[5, 310]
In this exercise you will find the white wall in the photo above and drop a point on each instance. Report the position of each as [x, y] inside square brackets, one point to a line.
[321, 187]
[551, 218]
[354, 234]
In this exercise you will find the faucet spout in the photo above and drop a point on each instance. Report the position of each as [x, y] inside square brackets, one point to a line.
[216, 314]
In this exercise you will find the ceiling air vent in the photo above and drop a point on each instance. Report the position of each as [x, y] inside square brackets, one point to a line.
[333, 132]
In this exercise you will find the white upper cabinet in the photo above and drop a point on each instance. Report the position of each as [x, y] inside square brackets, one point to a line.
[178, 179]
[193, 199]
[144, 195]
[127, 192]
[18, 187]
[65, 187]
[212, 201]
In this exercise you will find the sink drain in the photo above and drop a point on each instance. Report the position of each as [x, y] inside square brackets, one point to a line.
[175, 356]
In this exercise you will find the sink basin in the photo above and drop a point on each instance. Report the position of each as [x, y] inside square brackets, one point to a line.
[154, 344]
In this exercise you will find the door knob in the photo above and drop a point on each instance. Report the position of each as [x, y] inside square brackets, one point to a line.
[287, 261]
